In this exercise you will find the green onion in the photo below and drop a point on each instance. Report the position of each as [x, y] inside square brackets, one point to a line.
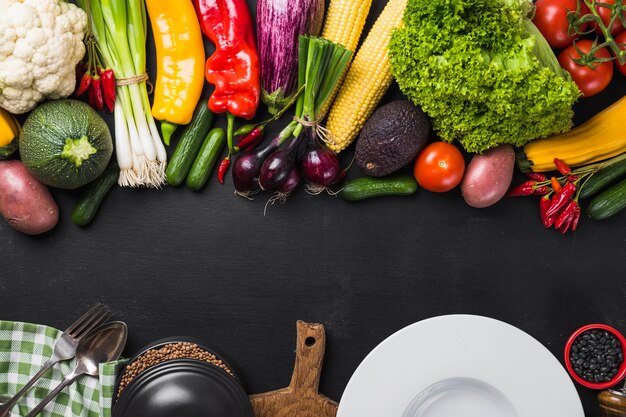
[120, 30]
[320, 65]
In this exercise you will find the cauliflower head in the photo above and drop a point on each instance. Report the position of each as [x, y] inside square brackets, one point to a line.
[41, 41]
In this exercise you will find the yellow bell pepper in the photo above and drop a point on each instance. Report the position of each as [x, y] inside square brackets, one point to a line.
[9, 133]
[180, 62]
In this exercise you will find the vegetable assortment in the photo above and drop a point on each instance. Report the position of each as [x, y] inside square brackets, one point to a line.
[480, 73]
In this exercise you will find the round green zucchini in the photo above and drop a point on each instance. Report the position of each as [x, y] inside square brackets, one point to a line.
[65, 144]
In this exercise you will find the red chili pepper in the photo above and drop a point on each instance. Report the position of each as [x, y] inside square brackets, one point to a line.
[221, 170]
[524, 189]
[234, 68]
[250, 138]
[565, 215]
[563, 168]
[569, 217]
[95, 93]
[108, 88]
[84, 85]
[543, 190]
[576, 217]
[544, 205]
[561, 198]
[252, 146]
[556, 185]
[536, 176]
[573, 178]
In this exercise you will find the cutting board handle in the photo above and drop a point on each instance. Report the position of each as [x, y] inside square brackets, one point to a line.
[310, 347]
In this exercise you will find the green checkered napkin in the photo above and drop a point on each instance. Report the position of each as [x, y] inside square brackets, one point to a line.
[24, 347]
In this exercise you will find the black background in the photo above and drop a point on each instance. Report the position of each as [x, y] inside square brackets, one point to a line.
[210, 264]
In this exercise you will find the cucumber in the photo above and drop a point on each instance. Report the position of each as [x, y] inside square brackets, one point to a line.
[609, 202]
[189, 144]
[89, 202]
[367, 187]
[205, 161]
[602, 178]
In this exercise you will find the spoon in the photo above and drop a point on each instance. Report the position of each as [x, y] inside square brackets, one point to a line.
[104, 344]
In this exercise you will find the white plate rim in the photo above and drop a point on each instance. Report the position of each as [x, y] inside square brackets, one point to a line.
[380, 386]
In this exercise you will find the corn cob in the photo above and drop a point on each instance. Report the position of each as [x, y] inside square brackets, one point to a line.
[344, 23]
[367, 80]
[345, 20]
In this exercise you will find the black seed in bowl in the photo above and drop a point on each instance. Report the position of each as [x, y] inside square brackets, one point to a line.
[596, 356]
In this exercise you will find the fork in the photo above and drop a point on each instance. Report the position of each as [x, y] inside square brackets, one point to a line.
[64, 349]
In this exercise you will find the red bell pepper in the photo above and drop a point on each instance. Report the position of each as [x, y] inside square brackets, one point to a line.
[234, 68]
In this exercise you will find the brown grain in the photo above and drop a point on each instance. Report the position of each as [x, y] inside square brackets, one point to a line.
[152, 357]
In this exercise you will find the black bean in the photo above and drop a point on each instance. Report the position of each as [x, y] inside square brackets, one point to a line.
[604, 369]
[614, 343]
[575, 348]
[611, 352]
[620, 357]
[610, 359]
[585, 336]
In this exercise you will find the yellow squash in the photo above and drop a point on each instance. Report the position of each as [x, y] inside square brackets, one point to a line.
[601, 137]
[9, 133]
[180, 61]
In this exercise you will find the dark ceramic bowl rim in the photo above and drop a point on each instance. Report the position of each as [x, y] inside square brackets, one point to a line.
[621, 370]
[186, 363]
[171, 340]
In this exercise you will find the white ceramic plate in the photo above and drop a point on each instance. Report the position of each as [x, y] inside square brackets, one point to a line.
[460, 366]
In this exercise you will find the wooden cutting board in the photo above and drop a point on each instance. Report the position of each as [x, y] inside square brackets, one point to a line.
[301, 398]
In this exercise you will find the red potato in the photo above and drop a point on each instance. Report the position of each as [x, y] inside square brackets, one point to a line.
[488, 176]
[25, 203]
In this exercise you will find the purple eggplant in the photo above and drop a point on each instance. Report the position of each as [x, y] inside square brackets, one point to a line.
[279, 23]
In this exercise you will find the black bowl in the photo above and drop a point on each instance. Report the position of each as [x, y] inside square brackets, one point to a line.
[181, 339]
[183, 388]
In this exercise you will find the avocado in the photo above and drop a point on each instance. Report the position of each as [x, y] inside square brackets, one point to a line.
[391, 138]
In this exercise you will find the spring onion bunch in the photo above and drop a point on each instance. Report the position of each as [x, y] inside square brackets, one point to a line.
[120, 29]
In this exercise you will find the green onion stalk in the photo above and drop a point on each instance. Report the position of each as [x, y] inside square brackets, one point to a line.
[120, 30]
[320, 66]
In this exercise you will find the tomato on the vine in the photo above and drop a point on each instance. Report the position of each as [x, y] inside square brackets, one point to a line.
[604, 9]
[551, 18]
[593, 77]
[621, 40]
[439, 167]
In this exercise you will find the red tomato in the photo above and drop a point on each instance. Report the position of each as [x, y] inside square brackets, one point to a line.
[589, 80]
[621, 39]
[551, 20]
[439, 167]
[605, 15]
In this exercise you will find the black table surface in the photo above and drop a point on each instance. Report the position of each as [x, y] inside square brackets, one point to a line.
[212, 265]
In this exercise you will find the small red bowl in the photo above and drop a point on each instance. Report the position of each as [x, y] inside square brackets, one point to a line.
[621, 372]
